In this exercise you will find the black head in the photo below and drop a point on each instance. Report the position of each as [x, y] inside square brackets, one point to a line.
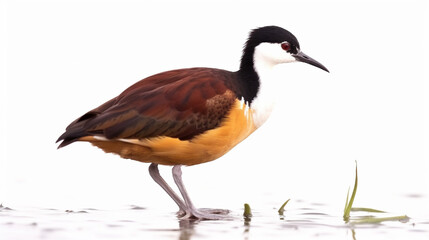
[271, 34]
[286, 42]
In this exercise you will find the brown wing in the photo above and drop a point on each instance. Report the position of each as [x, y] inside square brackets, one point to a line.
[180, 103]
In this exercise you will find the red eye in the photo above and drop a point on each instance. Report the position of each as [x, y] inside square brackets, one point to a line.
[286, 46]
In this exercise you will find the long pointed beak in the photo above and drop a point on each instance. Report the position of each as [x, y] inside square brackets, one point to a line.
[302, 57]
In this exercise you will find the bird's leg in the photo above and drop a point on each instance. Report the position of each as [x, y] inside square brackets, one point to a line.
[191, 211]
[177, 176]
[154, 173]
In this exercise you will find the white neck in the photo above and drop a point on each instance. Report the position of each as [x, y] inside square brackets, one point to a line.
[263, 103]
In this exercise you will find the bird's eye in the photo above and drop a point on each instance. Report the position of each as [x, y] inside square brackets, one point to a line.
[286, 46]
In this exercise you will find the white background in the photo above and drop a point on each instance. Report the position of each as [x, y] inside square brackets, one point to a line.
[63, 58]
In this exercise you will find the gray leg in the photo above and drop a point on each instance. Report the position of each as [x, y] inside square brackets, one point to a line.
[154, 173]
[177, 176]
[191, 211]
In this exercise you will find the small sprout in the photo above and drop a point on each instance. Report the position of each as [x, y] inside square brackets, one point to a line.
[349, 204]
[282, 208]
[247, 212]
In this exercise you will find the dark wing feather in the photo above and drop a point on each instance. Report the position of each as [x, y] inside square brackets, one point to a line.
[179, 103]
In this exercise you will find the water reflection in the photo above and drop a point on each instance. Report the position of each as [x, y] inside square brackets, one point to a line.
[187, 228]
[209, 229]
[246, 232]
[353, 233]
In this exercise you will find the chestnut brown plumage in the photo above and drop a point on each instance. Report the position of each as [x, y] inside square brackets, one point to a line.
[173, 104]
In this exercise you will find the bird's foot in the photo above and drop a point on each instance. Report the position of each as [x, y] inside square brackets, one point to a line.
[204, 214]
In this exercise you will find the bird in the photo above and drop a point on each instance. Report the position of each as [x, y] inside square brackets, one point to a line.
[191, 116]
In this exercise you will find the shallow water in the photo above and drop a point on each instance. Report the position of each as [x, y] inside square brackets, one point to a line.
[301, 220]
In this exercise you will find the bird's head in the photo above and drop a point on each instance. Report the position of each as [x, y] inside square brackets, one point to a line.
[273, 45]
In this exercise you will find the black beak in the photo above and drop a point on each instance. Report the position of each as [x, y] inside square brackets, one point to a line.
[302, 57]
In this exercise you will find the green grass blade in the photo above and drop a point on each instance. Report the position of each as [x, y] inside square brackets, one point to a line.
[366, 210]
[282, 208]
[374, 220]
[349, 205]
[347, 200]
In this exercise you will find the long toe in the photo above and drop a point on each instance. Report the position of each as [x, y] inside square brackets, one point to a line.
[181, 213]
[207, 214]
[215, 211]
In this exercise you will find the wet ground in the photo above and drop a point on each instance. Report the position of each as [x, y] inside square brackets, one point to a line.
[301, 220]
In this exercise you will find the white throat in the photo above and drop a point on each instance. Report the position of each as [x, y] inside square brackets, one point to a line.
[264, 60]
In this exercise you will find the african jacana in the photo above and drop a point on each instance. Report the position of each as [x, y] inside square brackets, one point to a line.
[190, 116]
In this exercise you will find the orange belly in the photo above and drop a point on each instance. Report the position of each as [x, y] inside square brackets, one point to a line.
[205, 147]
